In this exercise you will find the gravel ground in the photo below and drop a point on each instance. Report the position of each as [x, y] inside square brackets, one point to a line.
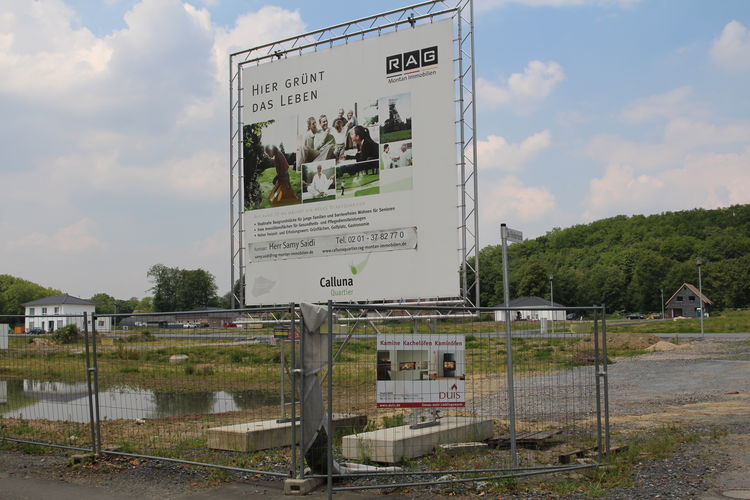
[703, 385]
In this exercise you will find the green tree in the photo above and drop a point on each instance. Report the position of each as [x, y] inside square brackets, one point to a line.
[16, 291]
[145, 305]
[105, 304]
[178, 289]
[535, 281]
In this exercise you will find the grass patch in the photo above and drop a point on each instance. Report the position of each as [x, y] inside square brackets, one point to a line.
[396, 135]
[724, 322]
[368, 191]
[396, 420]
[655, 444]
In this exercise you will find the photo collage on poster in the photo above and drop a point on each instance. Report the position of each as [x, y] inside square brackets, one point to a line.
[359, 149]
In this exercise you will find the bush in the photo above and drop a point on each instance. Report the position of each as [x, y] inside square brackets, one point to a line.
[68, 334]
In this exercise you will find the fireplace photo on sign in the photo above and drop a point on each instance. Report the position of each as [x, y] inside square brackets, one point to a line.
[418, 365]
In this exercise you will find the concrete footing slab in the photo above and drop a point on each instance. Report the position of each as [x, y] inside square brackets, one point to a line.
[267, 434]
[301, 486]
[393, 444]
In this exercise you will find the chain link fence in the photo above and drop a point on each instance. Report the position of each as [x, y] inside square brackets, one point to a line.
[359, 396]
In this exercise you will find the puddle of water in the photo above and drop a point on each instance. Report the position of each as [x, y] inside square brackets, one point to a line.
[35, 399]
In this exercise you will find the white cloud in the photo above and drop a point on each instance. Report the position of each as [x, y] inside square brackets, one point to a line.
[41, 52]
[731, 49]
[522, 90]
[78, 237]
[680, 137]
[620, 190]
[667, 105]
[253, 29]
[508, 199]
[496, 153]
[117, 132]
[707, 180]
[484, 5]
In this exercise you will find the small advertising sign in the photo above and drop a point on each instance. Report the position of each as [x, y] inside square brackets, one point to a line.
[421, 371]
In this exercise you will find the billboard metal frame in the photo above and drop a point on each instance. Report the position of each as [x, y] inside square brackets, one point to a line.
[462, 11]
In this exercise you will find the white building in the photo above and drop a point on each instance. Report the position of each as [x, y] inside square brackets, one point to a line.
[522, 310]
[51, 313]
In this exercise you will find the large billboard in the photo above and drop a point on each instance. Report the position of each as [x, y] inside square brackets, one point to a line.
[349, 163]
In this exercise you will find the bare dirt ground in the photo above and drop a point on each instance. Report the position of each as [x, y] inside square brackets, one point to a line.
[703, 385]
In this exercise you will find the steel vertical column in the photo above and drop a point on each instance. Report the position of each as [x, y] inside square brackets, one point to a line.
[234, 304]
[293, 361]
[89, 370]
[240, 191]
[96, 388]
[605, 378]
[330, 400]
[301, 372]
[509, 351]
[462, 163]
[598, 388]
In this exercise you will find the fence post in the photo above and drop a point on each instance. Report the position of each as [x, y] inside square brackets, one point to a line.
[293, 361]
[598, 388]
[89, 371]
[301, 373]
[509, 351]
[98, 421]
[605, 378]
[330, 399]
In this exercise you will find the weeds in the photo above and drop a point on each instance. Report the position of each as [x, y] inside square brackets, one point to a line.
[396, 420]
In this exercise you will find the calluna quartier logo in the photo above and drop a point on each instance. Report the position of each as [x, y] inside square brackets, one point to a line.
[415, 63]
[340, 285]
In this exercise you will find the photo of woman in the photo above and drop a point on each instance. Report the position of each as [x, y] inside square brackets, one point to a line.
[282, 192]
[269, 177]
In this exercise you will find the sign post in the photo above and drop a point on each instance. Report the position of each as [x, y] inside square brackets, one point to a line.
[514, 236]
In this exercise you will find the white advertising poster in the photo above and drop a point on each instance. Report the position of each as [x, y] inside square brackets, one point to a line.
[349, 164]
[421, 371]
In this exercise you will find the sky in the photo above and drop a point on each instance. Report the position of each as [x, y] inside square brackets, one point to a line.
[114, 122]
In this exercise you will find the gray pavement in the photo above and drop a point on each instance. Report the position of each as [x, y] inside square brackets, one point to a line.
[35, 488]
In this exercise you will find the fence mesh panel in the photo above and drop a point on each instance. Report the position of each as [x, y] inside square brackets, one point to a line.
[424, 389]
[433, 384]
[44, 392]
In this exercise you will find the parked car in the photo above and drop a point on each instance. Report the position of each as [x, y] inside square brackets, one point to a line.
[571, 316]
[35, 331]
[635, 316]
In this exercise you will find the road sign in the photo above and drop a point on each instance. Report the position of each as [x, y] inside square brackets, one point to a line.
[514, 236]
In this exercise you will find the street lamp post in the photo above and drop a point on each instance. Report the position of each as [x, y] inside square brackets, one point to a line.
[552, 303]
[699, 263]
[662, 303]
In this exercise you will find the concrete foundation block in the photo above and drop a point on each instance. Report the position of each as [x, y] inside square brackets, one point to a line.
[267, 434]
[301, 486]
[178, 359]
[393, 444]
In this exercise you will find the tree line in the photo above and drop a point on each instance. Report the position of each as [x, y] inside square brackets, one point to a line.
[625, 262]
[174, 289]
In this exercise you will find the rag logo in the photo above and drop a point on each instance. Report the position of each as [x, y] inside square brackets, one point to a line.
[413, 60]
